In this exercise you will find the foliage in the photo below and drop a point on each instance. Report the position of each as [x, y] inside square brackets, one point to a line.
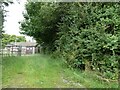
[82, 33]
[41, 23]
[12, 38]
[89, 35]
[3, 3]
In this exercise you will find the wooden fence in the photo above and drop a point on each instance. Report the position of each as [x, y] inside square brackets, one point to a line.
[7, 53]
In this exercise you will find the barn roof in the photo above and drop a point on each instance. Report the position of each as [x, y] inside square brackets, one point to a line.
[24, 44]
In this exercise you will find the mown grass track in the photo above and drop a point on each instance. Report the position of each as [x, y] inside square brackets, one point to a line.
[41, 71]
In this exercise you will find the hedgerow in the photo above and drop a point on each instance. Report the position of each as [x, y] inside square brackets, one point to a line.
[86, 35]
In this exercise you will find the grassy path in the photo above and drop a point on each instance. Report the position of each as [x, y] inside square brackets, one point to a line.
[43, 72]
[34, 71]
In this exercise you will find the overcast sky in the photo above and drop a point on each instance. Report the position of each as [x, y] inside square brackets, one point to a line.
[14, 15]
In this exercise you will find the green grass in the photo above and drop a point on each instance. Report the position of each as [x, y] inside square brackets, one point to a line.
[41, 71]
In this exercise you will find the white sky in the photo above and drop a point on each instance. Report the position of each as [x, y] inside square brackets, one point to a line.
[14, 15]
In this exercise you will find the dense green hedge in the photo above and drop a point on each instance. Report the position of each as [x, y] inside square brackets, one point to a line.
[82, 33]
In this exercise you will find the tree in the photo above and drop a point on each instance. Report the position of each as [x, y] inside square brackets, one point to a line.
[12, 38]
[41, 22]
[3, 3]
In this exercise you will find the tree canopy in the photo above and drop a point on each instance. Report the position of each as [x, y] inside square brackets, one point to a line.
[12, 38]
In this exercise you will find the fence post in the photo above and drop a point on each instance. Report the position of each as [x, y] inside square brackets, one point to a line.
[19, 50]
[12, 51]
